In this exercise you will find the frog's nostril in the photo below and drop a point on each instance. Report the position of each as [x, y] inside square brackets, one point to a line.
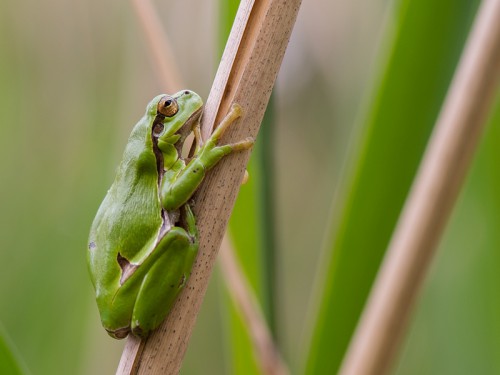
[187, 92]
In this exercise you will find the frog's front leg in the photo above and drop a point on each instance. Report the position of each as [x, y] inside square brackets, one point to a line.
[166, 276]
[198, 139]
[179, 184]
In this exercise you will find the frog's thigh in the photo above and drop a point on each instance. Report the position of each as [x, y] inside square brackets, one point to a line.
[164, 281]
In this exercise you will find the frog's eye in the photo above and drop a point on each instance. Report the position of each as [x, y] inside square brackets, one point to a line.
[167, 106]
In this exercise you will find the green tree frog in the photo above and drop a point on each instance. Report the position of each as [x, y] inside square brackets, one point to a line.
[144, 239]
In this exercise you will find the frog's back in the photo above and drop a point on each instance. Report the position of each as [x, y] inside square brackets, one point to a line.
[129, 217]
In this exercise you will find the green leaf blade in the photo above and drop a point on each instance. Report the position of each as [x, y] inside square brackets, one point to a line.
[10, 363]
[404, 107]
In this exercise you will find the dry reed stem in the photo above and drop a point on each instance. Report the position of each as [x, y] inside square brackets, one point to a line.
[159, 45]
[434, 192]
[246, 76]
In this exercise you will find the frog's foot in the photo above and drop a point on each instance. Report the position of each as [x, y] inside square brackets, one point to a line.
[119, 333]
[246, 144]
[191, 228]
[246, 176]
[211, 153]
[234, 113]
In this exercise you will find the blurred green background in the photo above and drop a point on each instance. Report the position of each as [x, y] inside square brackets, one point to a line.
[358, 93]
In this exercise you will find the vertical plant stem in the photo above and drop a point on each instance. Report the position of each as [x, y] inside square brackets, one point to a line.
[159, 45]
[431, 199]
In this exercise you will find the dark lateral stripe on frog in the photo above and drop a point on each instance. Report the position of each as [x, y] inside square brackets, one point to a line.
[158, 155]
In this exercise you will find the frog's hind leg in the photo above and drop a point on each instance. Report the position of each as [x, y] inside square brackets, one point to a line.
[166, 277]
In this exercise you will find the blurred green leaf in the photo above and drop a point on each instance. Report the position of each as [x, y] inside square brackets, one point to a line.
[244, 234]
[10, 363]
[251, 232]
[423, 48]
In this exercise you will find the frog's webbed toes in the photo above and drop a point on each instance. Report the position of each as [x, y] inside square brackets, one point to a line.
[245, 144]
[234, 113]
[246, 176]
[236, 110]
[119, 333]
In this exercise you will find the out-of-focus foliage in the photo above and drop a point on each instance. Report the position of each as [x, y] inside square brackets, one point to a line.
[74, 78]
[401, 113]
[9, 361]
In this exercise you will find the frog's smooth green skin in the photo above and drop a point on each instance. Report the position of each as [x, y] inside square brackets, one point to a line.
[144, 239]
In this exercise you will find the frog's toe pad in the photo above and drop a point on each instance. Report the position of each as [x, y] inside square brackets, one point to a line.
[139, 332]
[119, 333]
[237, 110]
[246, 176]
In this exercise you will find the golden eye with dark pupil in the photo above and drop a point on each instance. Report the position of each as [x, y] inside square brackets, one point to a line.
[167, 106]
[157, 129]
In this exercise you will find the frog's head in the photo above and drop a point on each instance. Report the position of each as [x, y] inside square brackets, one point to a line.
[175, 114]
